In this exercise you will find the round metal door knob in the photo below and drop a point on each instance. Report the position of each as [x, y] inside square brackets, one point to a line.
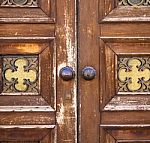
[88, 73]
[67, 73]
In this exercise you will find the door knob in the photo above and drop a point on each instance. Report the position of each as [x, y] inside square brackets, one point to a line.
[67, 73]
[88, 73]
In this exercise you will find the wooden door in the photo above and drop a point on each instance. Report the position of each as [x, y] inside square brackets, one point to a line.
[37, 39]
[114, 39]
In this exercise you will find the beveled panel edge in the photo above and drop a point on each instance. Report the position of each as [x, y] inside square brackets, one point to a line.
[41, 14]
[119, 96]
[123, 39]
[27, 31]
[129, 118]
[27, 126]
[128, 103]
[110, 11]
[26, 109]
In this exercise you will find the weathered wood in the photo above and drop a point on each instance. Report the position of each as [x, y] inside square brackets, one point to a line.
[89, 117]
[66, 56]
[124, 116]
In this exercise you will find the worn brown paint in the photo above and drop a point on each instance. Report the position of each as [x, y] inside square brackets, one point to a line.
[50, 116]
[103, 31]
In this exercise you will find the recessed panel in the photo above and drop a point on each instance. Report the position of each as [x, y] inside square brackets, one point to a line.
[27, 74]
[126, 79]
[27, 135]
[20, 74]
[124, 11]
[30, 11]
[125, 134]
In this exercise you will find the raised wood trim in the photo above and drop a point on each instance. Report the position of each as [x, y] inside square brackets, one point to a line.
[27, 118]
[44, 13]
[27, 31]
[128, 14]
[110, 11]
[27, 134]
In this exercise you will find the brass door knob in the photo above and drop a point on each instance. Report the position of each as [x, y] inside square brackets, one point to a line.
[67, 73]
[88, 73]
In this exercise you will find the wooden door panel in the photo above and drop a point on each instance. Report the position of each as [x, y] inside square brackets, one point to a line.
[122, 113]
[124, 11]
[27, 102]
[36, 105]
[27, 32]
[124, 72]
[35, 57]
[125, 135]
[30, 11]
[118, 118]
[26, 135]
[117, 94]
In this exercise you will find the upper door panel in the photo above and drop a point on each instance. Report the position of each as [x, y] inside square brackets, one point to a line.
[27, 11]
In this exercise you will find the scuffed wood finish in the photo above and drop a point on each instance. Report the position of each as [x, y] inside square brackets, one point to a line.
[66, 56]
[27, 118]
[124, 33]
[105, 7]
[28, 135]
[26, 31]
[128, 14]
[89, 116]
[45, 12]
[50, 116]
[125, 118]
[125, 30]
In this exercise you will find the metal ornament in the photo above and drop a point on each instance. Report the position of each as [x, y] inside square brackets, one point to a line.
[19, 3]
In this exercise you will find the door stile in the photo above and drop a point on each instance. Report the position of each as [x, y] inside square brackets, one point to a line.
[66, 44]
[89, 115]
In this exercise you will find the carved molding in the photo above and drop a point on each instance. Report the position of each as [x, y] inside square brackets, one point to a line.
[19, 3]
[134, 74]
[20, 75]
[134, 2]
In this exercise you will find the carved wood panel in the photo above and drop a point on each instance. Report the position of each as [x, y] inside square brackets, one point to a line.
[125, 135]
[25, 99]
[125, 77]
[29, 109]
[115, 106]
[124, 10]
[27, 11]
[130, 76]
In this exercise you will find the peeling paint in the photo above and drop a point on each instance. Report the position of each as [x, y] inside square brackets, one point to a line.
[60, 115]
[70, 46]
[60, 66]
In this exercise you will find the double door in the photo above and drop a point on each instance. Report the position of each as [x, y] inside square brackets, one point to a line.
[74, 71]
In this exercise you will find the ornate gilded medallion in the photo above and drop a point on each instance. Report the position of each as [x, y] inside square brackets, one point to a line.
[134, 74]
[19, 3]
[134, 2]
[20, 74]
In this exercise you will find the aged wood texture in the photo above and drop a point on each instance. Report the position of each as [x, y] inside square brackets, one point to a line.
[124, 34]
[89, 117]
[42, 12]
[25, 118]
[66, 56]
